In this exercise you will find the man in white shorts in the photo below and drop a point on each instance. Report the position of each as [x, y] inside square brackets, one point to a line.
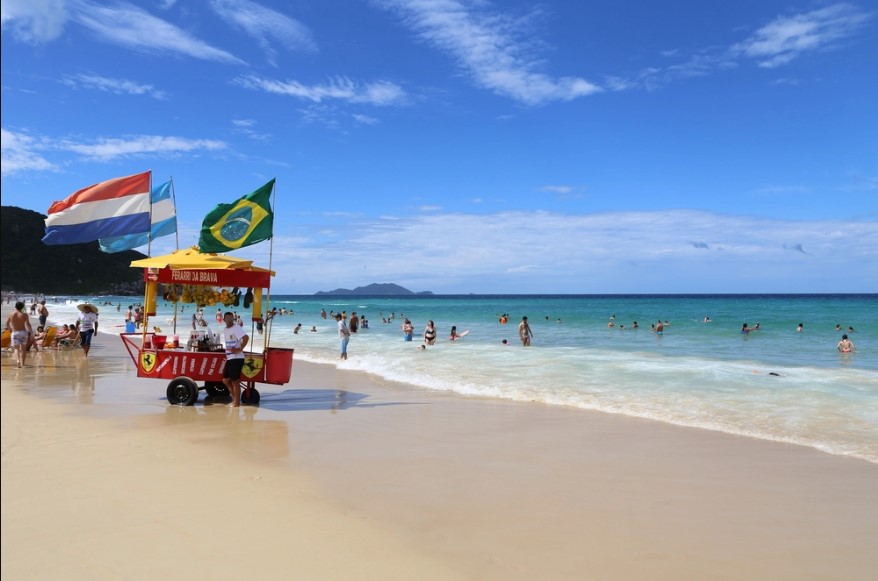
[20, 328]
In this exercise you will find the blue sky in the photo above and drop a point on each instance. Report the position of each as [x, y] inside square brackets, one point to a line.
[485, 147]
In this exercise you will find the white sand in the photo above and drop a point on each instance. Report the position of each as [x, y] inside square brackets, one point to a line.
[339, 476]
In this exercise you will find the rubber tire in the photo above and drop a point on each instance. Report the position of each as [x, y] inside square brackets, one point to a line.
[249, 397]
[216, 389]
[182, 391]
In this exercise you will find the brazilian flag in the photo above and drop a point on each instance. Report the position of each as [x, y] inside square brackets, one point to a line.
[244, 222]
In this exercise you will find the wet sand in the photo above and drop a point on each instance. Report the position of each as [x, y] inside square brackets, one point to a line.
[340, 476]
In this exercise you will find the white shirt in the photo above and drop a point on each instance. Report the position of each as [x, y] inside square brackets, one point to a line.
[233, 336]
[88, 321]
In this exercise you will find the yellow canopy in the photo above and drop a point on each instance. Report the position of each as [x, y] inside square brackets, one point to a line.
[192, 258]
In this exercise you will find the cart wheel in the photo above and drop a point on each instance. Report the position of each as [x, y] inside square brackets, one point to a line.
[216, 389]
[182, 391]
[249, 396]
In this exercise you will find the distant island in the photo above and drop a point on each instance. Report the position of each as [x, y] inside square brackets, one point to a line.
[372, 290]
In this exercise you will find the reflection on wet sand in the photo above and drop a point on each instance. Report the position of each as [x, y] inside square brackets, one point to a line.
[235, 429]
[83, 383]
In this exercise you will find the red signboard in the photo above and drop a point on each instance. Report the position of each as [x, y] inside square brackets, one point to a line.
[210, 276]
[197, 365]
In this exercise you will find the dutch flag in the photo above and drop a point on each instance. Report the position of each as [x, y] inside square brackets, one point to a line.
[115, 207]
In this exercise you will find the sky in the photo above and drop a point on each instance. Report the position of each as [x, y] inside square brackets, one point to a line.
[452, 146]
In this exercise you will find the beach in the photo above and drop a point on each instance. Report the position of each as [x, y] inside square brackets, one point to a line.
[341, 475]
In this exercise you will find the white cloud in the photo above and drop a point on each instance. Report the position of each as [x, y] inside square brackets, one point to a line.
[365, 119]
[248, 127]
[557, 189]
[787, 37]
[128, 26]
[512, 252]
[34, 21]
[379, 93]
[23, 152]
[117, 86]
[265, 25]
[772, 45]
[19, 153]
[486, 46]
[108, 149]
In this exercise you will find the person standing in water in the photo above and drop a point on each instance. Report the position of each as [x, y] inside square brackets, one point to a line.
[344, 335]
[44, 313]
[845, 345]
[524, 332]
[355, 322]
[429, 333]
[408, 330]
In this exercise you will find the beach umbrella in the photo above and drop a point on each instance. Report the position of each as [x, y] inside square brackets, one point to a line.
[191, 258]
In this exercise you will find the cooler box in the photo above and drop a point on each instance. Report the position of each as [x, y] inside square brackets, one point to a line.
[278, 365]
[130, 327]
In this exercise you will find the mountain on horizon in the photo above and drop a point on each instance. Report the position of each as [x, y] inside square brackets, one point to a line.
[374, 289]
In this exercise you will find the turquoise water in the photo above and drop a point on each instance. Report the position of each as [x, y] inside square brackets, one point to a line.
[698, 374]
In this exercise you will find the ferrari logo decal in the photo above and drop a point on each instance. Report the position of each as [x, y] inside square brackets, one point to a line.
[147, 361]
[252, 367]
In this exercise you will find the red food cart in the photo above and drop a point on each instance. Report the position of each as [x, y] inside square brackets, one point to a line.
[192, 277]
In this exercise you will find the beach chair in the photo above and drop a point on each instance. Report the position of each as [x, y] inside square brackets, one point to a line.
[71, 342]
[50, 340]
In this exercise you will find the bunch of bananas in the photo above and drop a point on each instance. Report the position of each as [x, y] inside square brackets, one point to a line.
[207, 296]
[172, 294]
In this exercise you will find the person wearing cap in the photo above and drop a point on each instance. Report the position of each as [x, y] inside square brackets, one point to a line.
[88, 324]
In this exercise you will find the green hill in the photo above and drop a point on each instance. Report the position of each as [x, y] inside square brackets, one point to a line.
[374, 289]
[72, 269]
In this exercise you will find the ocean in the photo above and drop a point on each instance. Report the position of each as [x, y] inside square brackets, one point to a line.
[774, 383]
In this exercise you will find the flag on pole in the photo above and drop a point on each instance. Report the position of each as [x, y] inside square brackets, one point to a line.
[164, 223]
[112, 208]
[244, 222]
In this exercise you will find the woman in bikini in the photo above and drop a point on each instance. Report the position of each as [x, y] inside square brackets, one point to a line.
[430, 333]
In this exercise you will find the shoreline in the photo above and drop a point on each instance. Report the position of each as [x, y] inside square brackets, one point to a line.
[395, 482]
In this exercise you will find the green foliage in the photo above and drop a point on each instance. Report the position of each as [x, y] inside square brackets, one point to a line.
[72, 269]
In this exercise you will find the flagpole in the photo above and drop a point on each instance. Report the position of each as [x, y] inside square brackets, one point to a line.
[270, 256]
[149, 233]
[176, 243]
[145, 315]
